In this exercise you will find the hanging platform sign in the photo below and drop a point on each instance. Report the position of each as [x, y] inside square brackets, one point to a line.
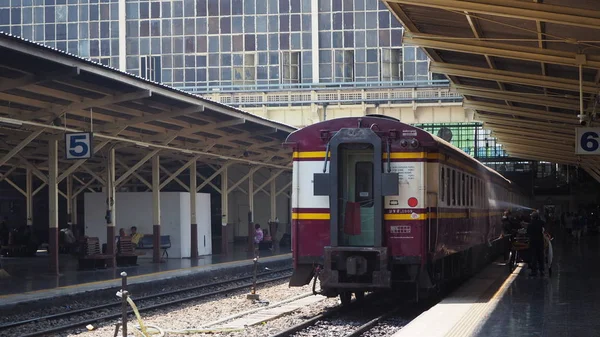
[587, 141]
[78, 145]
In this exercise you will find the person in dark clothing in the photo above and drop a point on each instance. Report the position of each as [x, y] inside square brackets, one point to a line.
[535, 232]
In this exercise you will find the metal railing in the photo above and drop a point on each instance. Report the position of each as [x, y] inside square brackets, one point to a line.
[332, 93]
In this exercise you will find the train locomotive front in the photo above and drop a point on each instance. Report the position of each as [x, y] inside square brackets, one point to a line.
[365, 194]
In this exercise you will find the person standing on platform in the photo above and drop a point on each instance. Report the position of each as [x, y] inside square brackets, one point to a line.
[258, 237]
[578, 223]
[535, 232]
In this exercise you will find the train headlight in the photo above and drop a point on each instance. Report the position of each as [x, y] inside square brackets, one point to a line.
[404, 143]
[414, 143]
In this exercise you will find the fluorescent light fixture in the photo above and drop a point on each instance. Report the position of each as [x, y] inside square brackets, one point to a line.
[141, 144]
[10, 121]
[187, 151]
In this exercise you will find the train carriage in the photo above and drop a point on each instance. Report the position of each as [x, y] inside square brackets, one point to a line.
[378, 204]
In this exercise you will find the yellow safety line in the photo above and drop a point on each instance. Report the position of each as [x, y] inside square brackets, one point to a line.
[393, 155]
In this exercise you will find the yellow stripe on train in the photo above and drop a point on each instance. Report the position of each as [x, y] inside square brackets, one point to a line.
[393, 155]
[397, 217]
[310, 216]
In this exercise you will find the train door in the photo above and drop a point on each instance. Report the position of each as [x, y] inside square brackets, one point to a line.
[356, 210]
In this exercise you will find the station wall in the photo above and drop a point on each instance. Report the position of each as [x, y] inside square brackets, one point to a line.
[135, 209]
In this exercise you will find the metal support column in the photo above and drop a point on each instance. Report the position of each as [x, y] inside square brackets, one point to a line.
[111, 193]
[156, 207]
[29, 196]
[224, 210]
[193, 220]
[273, 195]
[251, 213]
[69, 198]
[53, 204]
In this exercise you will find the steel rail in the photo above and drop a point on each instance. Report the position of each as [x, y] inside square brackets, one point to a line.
[146, 308]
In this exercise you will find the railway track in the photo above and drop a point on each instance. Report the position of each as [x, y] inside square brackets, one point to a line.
[164, 299]
[373, 316]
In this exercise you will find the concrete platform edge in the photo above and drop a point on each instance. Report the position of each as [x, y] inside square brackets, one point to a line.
[9, 300]
[452, 314]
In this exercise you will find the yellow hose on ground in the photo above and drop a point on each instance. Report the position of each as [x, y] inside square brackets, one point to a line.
[152, 330]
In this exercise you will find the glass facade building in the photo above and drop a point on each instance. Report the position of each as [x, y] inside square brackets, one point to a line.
[208, 43]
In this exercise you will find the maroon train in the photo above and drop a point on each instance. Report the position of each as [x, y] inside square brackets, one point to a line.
[378, 204]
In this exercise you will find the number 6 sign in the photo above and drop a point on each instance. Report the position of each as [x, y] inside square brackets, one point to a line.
[78, 145]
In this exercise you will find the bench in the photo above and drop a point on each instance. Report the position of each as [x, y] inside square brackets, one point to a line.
[126, 254]
[91, 257]
[147, 242]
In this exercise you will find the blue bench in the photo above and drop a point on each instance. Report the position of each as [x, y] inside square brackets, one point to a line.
[147, 242]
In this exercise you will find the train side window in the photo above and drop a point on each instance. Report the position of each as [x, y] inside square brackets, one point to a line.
[364, 183]
[464, 189]
[442, 188]
[453, 188]
[448, 188]
[471, 189]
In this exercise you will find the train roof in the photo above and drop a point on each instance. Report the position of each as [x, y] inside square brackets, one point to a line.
[310, 136]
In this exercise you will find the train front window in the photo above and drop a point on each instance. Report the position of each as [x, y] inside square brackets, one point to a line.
[364, 183]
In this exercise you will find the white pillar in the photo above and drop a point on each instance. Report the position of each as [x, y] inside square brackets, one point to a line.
[224, 210]
[69, 197]
[314, 6]
[122, 36]
[29, 196]
[251, 210]
[273, 200]
[156, 206]
[194, 223]
[53, 204]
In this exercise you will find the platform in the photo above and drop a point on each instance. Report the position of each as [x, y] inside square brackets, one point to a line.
[30, 281]
[494, 303]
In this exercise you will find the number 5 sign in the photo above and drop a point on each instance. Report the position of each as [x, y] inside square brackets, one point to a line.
[78, 145]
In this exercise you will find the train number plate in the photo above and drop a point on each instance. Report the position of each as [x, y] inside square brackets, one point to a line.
[400, 229]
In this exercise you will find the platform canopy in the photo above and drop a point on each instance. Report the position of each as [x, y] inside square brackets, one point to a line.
[45, 93]
[518, 64]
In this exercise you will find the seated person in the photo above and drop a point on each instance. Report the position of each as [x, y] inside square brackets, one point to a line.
[135, 236]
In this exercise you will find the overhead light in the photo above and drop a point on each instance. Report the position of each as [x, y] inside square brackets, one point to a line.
[142, 144]
[10, 121]
[187, 151]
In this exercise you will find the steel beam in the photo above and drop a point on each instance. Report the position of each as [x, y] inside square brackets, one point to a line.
[156, 206]
[215, 187]
[151, 145]
[150, 117]
[135, 174]
[284, 188]
[137, 166]
[213, 176]
[512, 51]
[53, 205]
[177, 173]
[522, 112]
[94, 174]
[20, 146]
[33, 79]
[542, 137]
[251, 172]
[58, 110]
[564, 15]
[84, 187]
[526, 125]
[268, 181]
[512, 77]
[519, 97]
